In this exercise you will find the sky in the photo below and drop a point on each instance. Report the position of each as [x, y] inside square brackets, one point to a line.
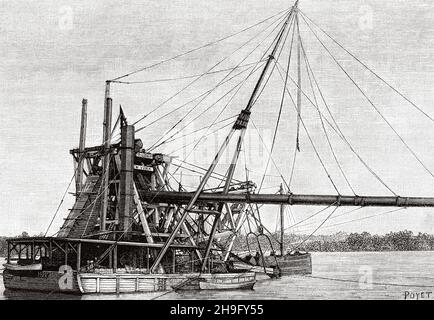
[53, 54]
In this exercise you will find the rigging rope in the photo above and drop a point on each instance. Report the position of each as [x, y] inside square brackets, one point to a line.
[192, 170]
[311, 216]
[371, 103]
[322, 223]
[334, 217]
[370, 69]
[322, 123]
[185, 77]
[200, 114]
[215, 65]
[218, 116]
[209, 107]
[340, 134]
[201, 47]
[275, 39]
[61, 201]
[373, 283]
[206, 93]
[254, 70]
[364, 218]
[271, 156]
[297, 141]
[203, 169]
[172, 138]
[272, 68]
[294, 159]
[309, 137]
[206, 134]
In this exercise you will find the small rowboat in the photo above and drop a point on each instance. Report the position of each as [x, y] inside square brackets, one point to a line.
[230, 282]
[28, 267]
[206, 285]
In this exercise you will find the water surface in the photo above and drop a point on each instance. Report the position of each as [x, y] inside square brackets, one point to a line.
[349, 275]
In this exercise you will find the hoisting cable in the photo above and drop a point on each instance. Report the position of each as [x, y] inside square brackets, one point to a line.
[310, 138]
[194, 131]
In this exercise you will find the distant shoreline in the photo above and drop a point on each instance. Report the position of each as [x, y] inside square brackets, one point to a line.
[343, 242]
[339, 242]
[361, 251]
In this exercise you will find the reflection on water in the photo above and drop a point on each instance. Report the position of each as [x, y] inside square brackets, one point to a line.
[358, 275]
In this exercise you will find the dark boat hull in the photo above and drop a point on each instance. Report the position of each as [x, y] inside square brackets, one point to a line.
[298, 264]
[42, 281]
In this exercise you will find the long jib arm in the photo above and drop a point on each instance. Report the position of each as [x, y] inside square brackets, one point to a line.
[291, 199]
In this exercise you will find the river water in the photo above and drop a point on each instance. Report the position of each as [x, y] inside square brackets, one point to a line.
[349, 275]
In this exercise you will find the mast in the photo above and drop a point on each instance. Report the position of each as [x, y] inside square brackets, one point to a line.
[81, 146]
[126, 189]
[282, 223]
[106, 160]
[239, 125]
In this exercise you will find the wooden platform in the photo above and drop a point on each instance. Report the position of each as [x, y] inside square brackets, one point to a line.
[124, 283]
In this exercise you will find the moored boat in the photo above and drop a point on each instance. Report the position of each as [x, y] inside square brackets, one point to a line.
[42, 281]
[229, 282]
[294, 263]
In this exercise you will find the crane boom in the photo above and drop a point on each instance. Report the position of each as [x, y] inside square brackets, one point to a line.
[291, 199]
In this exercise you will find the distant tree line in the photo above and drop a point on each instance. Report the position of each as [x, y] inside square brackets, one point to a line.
[342, 242]
[393, 241]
